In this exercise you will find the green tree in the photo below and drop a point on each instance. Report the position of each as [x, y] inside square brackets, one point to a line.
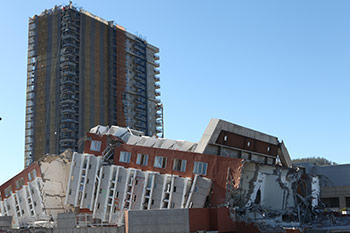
[314, 160]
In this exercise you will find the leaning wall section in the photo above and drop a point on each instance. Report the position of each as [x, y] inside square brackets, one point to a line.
[114, 189]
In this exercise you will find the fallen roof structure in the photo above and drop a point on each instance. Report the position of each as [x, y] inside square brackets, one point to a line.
[134, 137]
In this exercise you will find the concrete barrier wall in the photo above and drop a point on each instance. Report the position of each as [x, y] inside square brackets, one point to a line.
[157, 221]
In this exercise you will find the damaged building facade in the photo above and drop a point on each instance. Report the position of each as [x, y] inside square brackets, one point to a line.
[232, 177]
[37, 193]
[261, 185]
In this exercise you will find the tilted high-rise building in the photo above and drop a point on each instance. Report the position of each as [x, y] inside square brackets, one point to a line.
[84, 71]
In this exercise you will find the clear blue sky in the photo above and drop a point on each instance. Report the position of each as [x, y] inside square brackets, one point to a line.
[280, 67]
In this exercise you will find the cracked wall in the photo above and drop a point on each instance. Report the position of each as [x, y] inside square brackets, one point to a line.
[55, 175]
[37, 193]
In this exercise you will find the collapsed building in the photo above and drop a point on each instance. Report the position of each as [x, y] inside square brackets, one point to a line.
[36, 195]
[260, 180]
[232, 177]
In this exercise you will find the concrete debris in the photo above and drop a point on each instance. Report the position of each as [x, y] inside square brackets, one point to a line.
[268, 196]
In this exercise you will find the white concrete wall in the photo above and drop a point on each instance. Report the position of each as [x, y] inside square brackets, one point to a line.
[274, 183]
[120, 189]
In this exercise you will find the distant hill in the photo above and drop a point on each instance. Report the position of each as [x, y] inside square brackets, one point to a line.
[314, 160]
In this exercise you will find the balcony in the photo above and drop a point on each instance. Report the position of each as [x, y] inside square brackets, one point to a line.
[139, 86]
[139, 46]
[140, 69]
[158, 115]
[156, 57]
[140, 80]
[159, 131]
[140, 118]
[68, 72]
[68, 110]
[67, 101]
[156, 86]
[156, 71]
[156, 79]
[65, 141]
[156, 64]
[157, 93]
[140, 100]
[68, 81]
[158, 106]
[70, 44]
[69, 36]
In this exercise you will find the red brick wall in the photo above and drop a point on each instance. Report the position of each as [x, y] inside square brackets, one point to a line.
[219, 168]
[211, 219]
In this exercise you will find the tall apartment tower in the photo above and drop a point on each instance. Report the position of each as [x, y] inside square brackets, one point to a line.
[84, 71]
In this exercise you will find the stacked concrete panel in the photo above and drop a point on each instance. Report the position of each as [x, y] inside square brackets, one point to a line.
[26, 205]
[81, 185]
[109, 190]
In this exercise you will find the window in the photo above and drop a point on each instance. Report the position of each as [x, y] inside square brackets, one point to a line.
[125, 157]
[200, 168]
[8, 191]
[95, 145]
[160, 162]
[331, 202]
[347, 202]
[19, 183]
[179, 165]
[142, 159]
[33, 174]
